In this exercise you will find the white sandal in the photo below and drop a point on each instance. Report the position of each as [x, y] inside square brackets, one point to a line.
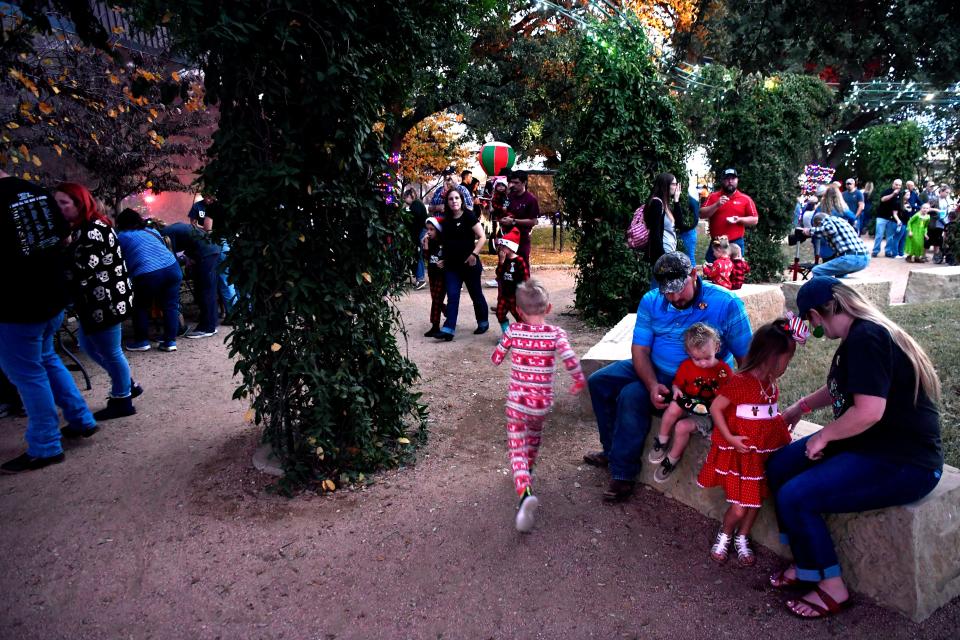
[745, 555]
[720, 549]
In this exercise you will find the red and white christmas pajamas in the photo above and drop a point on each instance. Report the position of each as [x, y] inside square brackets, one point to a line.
[530, 396]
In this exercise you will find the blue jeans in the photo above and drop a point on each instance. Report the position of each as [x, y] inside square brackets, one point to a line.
[104, 348]
[227, 293]
[689, 240]
[738, 242]
[163, 287]
[842, 265]
[886, 231]
[469, 276]
[29, 361]
[901, 239]
[846, 482]
[205, 291]
[419, 269]
[621, 403]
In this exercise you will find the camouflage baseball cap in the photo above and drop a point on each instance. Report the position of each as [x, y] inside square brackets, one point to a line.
[671, 271]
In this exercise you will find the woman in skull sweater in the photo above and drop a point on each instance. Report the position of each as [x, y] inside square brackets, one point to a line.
[101, 291]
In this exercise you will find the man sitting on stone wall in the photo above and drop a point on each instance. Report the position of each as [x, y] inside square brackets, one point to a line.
[625, 393]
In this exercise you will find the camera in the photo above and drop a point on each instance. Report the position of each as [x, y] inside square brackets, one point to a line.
[798, 236]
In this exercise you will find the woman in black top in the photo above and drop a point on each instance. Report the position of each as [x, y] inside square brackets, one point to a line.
[462, 239]
[882, 449]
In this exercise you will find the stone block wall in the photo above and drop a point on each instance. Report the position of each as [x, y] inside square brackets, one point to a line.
[875, 290]
[927, 285]
[905, 558]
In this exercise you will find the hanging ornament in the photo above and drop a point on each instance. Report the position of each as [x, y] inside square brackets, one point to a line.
[496, 157]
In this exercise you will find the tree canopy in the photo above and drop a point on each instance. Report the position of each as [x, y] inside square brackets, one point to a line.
[121, 121]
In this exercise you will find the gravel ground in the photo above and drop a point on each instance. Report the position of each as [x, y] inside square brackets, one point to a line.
[158, 527]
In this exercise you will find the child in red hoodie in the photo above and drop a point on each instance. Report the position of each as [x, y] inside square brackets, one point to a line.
[720, 269]
[511, 271]
[740, 267]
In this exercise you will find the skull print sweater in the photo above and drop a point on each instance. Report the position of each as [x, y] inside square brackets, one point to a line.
[102, 294]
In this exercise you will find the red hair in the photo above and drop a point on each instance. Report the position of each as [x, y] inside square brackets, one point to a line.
[83, 200]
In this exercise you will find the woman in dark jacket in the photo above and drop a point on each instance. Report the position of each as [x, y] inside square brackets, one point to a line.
[102, 293]
[659, 218]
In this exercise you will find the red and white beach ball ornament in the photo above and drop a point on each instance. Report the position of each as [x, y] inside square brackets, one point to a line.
[496, 157]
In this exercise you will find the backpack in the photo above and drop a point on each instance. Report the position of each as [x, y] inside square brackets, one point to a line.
[638, 235]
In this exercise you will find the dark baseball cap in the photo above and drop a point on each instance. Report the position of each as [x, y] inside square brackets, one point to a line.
[815, 292]
[671, 271]
[730, 173]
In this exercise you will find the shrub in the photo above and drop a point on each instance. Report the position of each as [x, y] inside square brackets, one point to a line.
[769, 128]
[890, 151]
[627, 131]
[297, 162]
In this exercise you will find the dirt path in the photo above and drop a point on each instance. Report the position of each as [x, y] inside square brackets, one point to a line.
[158, 527]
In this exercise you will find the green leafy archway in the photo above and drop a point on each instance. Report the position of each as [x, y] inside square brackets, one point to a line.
[626, 132]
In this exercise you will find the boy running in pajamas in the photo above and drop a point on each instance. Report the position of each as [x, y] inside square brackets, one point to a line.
[530, 396]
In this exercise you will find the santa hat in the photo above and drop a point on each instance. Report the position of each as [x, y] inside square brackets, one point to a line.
[435, 222]
[511, 240]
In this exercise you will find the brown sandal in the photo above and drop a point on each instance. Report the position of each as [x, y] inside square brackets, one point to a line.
[832, 606]
[779, 580]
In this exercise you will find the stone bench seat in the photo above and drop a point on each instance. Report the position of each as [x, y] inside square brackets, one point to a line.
[905, 558]
[876, 290]
[928, 285]
[762, 302]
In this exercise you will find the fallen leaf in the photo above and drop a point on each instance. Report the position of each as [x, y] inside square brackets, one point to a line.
[403, 440]
[366, 276]
[275, 347]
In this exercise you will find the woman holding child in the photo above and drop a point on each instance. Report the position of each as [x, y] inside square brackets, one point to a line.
[882, 449]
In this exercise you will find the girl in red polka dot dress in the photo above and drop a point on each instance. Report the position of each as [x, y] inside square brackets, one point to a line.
[748, 428]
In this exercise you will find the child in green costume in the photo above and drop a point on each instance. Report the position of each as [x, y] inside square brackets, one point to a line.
[917, 233]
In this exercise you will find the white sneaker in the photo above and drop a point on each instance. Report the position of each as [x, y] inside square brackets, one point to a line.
[491, 284]
[526, 514]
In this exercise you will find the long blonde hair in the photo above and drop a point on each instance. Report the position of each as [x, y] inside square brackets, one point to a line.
[846, 299]
[831, 201]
